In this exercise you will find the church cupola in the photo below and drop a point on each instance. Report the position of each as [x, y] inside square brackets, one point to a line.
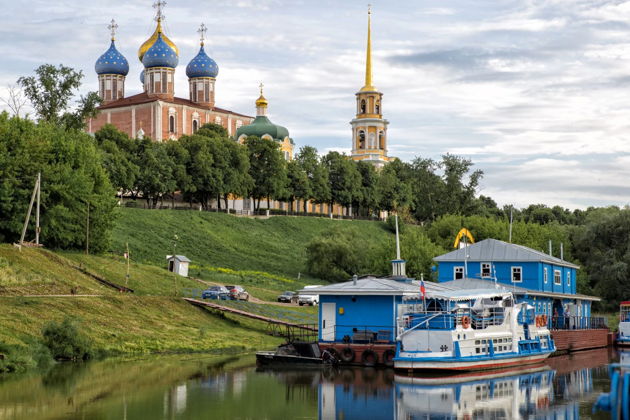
[369, 129]
[160, 60]
[202, 72]
[261, 104]
[112, 68]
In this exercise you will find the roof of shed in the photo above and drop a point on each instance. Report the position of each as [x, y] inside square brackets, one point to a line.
[371, 285]
[181, 258]
[490, 250]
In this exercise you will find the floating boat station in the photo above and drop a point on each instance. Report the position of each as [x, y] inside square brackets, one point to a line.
[495, 305]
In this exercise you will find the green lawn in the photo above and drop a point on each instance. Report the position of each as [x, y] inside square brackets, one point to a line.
[276, 245]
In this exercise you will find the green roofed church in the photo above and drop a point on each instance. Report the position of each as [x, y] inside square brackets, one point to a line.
[263, 127]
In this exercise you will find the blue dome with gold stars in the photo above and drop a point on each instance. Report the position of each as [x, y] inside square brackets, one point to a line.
[160, 55]
[112, 62]
[202, 66]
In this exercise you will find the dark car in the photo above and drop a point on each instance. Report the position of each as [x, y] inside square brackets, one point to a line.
[288, 297]
[216, 292]
[238, 293]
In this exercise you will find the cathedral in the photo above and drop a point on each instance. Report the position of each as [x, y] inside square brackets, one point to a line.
[369, 128]
[156, 112]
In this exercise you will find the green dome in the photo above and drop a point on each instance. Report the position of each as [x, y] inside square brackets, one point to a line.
[262, 126]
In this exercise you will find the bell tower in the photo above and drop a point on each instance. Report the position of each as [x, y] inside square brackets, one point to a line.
[369, 128]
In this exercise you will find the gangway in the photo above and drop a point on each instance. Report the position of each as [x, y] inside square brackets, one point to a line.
[292, 331]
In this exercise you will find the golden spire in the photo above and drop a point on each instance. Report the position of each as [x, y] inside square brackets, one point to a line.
[159, 5]
[262, 101]
[368, 60]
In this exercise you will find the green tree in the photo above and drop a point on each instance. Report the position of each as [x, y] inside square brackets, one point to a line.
[50, 92]
[366, 200]
[73, 177]
[119, 153]
[267, 170]
[393, 188]
[236, 179]
[298, 186]
[344, 178]
[157, 177]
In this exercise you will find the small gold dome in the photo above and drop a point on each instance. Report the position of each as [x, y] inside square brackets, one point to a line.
[149, 42]
[261, 101]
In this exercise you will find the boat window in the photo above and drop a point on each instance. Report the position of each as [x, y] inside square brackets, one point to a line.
[434, 306]
[545, 276]
[476, 341]
[485, 270]
[458, 273]
[557, 279]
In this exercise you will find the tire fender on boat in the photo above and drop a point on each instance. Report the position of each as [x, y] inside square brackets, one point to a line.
[347, 355]
[388, 357]
[369, 357]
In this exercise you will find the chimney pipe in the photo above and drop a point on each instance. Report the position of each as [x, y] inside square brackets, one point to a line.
[561, 251]
[354, 280]
[550, 249]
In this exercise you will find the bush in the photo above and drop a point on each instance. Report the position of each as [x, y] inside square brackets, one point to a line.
[66, 342]
[16, 359]
[390, 223]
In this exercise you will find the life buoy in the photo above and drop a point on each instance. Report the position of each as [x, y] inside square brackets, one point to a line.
[388, 357]
[369, 358]
[466, 321]
[347, 355]
[537, 321]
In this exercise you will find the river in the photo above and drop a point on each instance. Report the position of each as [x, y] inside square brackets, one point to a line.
[210, 387]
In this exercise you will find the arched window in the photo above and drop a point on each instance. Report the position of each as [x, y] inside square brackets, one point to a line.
[361, 139]
[378, 107]
[195, 126]
[171, 124]
[362, 106]
[372, 144]
[381, 140]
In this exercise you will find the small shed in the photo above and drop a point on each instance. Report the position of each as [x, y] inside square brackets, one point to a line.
[178, 264]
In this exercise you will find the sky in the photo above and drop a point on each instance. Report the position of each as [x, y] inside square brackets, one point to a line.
[535, 93]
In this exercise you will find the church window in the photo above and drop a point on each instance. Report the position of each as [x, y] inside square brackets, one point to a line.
[286, 155]
[102, 88]
[115, 90]
[372, 141]
[378, 107]
[239, 124]
[195, 126]
[381, 140]
[361, 139]
[207, 92]
[171, 124]
[164, 83]
[108, 84]
[362, 106]
[217, 120]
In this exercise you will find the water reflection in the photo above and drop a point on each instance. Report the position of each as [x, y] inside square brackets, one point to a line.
[228, 388]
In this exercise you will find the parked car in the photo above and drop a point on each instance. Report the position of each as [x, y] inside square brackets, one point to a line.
[308, 297]
[288, 297]
[216, 292]
[238, 293]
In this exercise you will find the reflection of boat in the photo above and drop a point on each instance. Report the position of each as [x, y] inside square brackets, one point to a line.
[623, 338]
[617, 401]
[469, 330]
[468, 376]
[506, 395]
[292, 354]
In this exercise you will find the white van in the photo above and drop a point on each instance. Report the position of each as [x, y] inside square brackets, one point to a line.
[308, 296]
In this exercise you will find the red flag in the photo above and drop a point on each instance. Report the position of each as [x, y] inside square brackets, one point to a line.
[422, 289]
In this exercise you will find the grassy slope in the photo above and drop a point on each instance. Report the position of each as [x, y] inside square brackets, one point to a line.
[276, 245]
[264, 255]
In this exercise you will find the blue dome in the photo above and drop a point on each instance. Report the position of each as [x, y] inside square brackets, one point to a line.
[160, 55]
[142, 77]
[202, 66]
[112, 62]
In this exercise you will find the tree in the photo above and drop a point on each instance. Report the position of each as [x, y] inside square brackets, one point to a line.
[73, 177]
[15, 100]
[267, 169]
[367, 198]
[236, 179]
[50, 92]
[119, 153]
[393, 189]
[345, 180]
[156, 172]
[316, 174]
[298, 186]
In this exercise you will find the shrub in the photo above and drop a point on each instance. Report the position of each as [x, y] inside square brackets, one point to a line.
[16, 359]
[66, 342]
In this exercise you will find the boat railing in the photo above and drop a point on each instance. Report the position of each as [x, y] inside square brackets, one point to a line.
[409, 322]
[360, 334]
[577, 322]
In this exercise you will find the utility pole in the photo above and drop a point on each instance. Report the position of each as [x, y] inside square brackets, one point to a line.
[128, 256]
[36, 190]
[39, 190]
[87, 231]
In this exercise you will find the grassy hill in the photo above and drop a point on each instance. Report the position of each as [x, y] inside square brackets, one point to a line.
[276, 245]
[266, 256]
